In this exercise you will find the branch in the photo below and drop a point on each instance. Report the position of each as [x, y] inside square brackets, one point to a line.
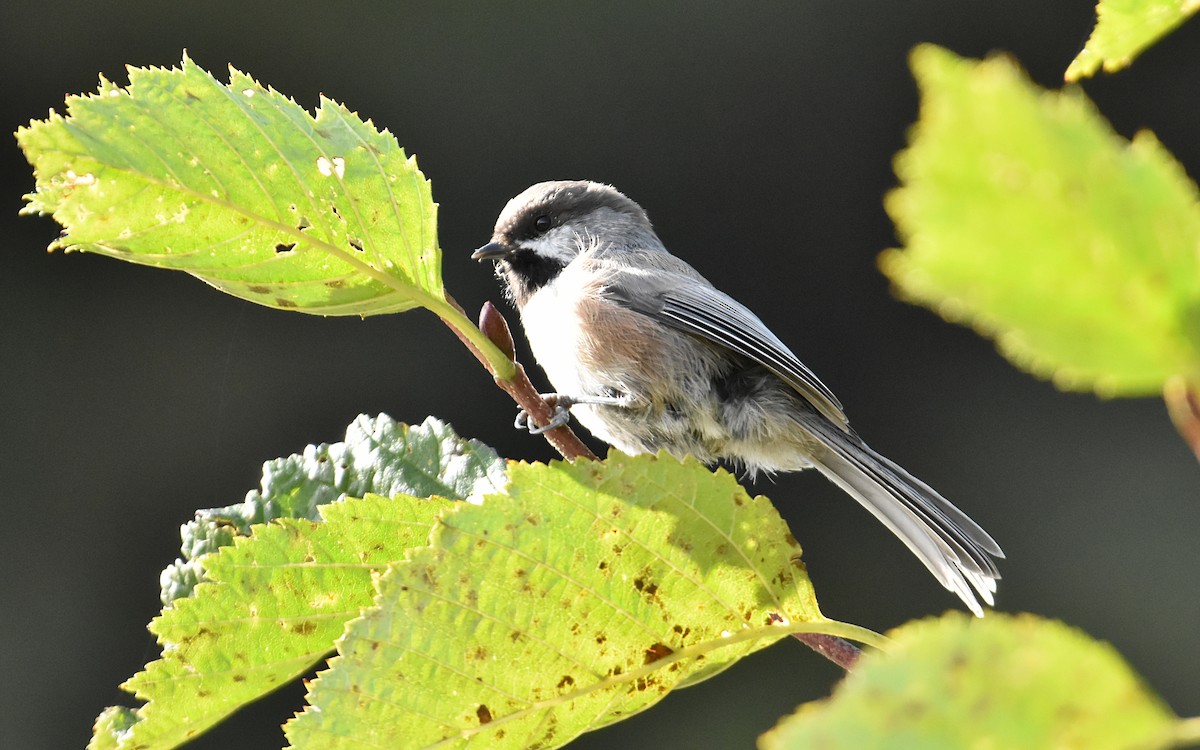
[495, 327]
[837, 650]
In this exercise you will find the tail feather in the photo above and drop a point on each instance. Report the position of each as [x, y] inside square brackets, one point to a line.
[954, 548]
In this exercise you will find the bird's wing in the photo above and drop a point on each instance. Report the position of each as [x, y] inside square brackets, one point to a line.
[688, 303]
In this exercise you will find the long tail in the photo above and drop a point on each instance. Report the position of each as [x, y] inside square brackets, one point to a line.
[954, 548]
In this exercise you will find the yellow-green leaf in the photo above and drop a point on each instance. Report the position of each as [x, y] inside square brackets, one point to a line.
[237, 184]
[996, 682]
[1124, 28]
[379, 456]
[583, 595]
[1025, 216]
[272, 608]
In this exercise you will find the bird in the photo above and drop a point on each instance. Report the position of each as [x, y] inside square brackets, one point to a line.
[648, 355]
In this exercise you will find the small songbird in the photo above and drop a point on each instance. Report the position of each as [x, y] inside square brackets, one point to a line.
[648, 355]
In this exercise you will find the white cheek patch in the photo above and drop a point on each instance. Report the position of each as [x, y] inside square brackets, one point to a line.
[561, 243]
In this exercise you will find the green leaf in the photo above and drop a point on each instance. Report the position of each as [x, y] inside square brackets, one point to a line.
[379, 456]
[273, 607]
[1123, 29]
[997, 682]
[240, 186]
[111, 725]
[582, 596]
[1025, 216]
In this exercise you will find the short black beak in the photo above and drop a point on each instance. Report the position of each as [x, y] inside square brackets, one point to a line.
[491, 251]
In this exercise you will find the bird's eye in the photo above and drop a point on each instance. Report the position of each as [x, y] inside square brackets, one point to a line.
[542, 224]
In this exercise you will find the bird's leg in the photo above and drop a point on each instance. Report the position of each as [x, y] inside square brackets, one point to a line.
[562, 410]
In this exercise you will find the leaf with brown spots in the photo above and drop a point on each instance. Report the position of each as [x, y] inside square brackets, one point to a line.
[273, 606]
[562, 605]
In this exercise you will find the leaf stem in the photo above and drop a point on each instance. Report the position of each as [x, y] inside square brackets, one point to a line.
[491, 356]
[841, 630]
[491, 343]
[1185, 733]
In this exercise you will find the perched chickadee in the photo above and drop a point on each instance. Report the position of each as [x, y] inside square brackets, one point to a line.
[649, 355]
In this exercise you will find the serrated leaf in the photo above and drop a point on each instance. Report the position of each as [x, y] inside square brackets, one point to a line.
[379, 455]
[1124, 28]
[111, 725]
[584, 595]
[240, 186]
[273, 607]
[1025, 216]
[998, 682]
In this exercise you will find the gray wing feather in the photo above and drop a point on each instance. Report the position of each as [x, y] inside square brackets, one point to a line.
[693, 306]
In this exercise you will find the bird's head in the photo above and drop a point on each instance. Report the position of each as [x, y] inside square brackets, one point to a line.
[542, 230]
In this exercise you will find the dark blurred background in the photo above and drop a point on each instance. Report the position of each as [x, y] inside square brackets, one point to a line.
[759, 136]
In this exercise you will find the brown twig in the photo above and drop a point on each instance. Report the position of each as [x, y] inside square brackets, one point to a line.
[839, 651]
[495, 327]
[1183, 404]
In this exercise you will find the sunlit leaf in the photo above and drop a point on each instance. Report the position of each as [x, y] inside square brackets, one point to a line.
[237, 184]
[379, 456]
[1025, 216]
[585, 594]
[272, 608]
[1124, 28]
[996, 682]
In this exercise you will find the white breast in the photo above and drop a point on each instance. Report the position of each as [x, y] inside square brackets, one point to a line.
[556, 336]
[552, 326]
